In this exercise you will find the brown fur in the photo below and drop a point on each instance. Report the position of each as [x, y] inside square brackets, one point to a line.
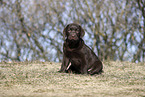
[77, 56]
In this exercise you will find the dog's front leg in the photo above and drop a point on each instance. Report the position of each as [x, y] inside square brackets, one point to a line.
[65, 64]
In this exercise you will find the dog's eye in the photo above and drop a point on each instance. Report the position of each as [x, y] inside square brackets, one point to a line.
[77, 29]
[69, 30]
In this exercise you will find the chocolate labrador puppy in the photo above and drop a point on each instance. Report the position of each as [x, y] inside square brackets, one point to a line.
[77, 56]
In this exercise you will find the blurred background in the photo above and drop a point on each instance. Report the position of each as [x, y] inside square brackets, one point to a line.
[32, 29]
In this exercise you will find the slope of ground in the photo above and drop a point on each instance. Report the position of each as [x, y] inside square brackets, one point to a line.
[38, 79]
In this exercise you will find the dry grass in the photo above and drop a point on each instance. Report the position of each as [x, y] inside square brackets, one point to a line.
[37, 79]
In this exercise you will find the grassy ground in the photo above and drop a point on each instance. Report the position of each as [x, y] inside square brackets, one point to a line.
[38, 79]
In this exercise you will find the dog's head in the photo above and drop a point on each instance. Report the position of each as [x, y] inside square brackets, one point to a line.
[73, 32]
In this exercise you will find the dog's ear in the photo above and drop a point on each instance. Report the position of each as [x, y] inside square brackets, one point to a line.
[82, 32]
[64, 31]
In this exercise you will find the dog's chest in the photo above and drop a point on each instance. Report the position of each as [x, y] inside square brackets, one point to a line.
[75, 57]
[73, 54]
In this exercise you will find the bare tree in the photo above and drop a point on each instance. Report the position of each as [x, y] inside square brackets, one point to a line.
[32, 29]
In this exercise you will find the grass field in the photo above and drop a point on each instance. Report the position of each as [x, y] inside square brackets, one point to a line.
[38, 79]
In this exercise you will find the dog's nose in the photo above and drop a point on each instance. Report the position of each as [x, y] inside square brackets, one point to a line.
[73, 34]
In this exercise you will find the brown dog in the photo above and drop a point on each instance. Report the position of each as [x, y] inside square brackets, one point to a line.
[77, 56]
